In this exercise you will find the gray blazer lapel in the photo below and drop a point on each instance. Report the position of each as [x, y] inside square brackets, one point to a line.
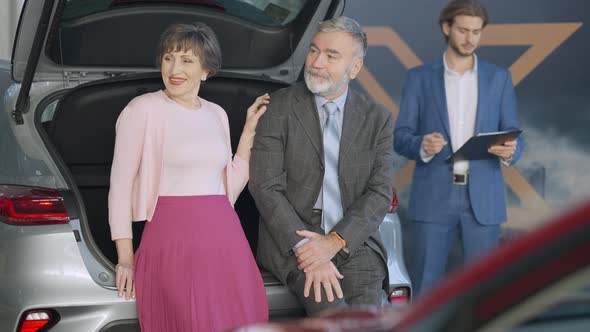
[305, 111]
[438, 90]
[353, 117]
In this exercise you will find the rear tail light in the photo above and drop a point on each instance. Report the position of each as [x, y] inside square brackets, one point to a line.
[38, 320]
[394, 202]
[25, 205]
[399, 295]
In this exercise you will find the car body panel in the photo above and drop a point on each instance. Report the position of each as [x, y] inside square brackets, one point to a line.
[390, 231]
[30, 145]
[44, 268]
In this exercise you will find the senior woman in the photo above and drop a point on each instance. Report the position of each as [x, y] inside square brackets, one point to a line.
[173, 166]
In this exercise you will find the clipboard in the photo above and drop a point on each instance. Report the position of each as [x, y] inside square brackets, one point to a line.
[477, 146]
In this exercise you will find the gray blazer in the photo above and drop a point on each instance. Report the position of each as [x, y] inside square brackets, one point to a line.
[287, 167]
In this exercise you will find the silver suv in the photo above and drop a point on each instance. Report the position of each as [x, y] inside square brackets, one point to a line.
[75, 65]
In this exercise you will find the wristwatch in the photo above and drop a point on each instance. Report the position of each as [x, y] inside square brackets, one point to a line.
[344, 245]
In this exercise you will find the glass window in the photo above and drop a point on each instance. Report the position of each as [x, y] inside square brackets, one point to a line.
[265, 12]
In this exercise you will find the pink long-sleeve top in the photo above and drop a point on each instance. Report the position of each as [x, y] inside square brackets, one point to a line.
[146, 133]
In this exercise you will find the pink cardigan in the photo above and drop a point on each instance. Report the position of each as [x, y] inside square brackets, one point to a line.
[137, 162]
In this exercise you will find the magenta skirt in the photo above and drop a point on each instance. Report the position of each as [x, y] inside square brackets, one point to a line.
[194, 269]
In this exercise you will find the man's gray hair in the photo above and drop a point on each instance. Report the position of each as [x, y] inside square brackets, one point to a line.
[348, 25]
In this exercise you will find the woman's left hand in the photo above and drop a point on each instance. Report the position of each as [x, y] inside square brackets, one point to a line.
[254, 113]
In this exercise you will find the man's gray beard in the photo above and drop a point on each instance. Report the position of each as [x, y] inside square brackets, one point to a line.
[331, 88]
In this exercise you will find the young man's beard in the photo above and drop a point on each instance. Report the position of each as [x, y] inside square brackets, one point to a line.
[458, 50]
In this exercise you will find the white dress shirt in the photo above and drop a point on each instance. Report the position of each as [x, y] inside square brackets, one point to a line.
[461, 93]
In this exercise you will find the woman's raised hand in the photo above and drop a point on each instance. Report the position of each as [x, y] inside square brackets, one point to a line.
[254, 113]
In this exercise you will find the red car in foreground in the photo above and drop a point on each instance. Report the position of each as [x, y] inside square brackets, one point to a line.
[538, 282]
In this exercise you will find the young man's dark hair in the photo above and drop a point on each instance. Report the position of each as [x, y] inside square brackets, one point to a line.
[462, 7]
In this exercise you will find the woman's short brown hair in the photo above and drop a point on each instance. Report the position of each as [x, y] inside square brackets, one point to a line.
[462, 7]
[197, 37]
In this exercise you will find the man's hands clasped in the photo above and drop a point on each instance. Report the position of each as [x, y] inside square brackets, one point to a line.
[314, 259]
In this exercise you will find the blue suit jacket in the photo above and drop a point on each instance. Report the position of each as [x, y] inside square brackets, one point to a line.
[423, 110]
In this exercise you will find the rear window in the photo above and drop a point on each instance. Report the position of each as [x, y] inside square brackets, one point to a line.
[253, 34]
[266, 12]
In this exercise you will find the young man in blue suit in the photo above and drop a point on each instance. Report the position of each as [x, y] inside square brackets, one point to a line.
[443, 104]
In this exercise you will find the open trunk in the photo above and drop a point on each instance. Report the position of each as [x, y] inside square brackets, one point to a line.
[82, 130]
[93, 57]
